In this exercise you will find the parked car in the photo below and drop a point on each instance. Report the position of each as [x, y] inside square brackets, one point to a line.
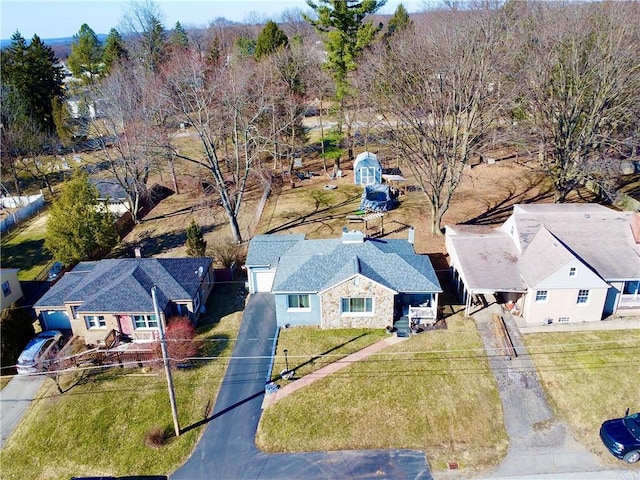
[55, 270]
[39, 352]
[622, 436]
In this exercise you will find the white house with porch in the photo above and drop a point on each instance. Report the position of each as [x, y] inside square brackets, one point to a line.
[552, 263]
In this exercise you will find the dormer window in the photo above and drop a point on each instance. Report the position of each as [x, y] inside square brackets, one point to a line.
[573, 271]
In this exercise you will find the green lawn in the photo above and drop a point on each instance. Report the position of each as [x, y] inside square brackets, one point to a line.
[99, 425]
[426, 393]
[589, 377]
[23, 248]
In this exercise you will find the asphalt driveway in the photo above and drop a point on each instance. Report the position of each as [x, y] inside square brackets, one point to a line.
[227, 448]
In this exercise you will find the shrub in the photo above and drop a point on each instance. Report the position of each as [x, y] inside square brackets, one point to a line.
[226, 252]
[156, 437]
[180, 336]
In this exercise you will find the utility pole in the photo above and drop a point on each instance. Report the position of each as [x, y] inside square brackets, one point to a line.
[167, 365]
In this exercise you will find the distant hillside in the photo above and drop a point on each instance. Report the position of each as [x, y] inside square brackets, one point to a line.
[52, 41]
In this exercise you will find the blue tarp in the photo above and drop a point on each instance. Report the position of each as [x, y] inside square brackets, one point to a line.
[377, 198]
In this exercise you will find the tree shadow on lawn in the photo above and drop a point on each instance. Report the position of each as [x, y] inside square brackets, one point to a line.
[24, 255]
[498, 213]
[319, 215]
[157, 244]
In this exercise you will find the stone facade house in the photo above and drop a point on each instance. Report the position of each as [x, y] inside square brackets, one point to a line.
[340, 283]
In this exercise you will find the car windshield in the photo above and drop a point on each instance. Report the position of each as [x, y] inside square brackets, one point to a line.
[632, 422]
[32, 349]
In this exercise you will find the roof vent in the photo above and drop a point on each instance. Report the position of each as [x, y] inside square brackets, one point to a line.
[352, 236]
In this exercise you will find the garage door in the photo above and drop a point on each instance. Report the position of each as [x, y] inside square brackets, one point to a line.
[264, 280]
[56, 320]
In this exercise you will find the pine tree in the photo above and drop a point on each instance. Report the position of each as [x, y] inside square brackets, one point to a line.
[32, 77]
[114, 50]
[196, 246]
[270, 39]
[399, 22]
[78, 224]
[179, 37]
[85, 58]
[341, 24]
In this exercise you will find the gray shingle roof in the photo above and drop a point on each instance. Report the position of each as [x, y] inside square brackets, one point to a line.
[549, 236]
[124, 285]
[315, 265]
[600, 237]
[265, 250]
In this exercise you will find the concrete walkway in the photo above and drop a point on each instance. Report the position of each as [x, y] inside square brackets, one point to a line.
[15, 398]
[308, 379]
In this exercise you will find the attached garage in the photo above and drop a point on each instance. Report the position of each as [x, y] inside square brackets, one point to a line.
[261, 280]
[55, 320]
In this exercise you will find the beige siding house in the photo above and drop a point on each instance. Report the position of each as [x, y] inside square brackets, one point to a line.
[11, 289]
[97, 299]
[552, 263]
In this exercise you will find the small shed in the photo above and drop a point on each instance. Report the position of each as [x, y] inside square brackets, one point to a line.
[367, 169]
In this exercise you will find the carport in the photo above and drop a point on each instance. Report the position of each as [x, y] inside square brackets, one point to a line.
[484, 264]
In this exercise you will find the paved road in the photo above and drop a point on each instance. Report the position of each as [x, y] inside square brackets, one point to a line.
[15, 398]
[227, 449]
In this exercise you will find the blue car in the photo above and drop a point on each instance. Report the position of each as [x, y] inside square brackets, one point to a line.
[39, 352]
[55, 270]
[622, 437]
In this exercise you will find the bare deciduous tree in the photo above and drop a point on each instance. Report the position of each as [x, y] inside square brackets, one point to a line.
[436, 90]
[580, 78]
[132, 130]
[228, 106]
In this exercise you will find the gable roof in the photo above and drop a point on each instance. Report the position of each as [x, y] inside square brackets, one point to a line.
[265, 250]
[316, 265]
[124, 285]
[600, 237]
[545, 238]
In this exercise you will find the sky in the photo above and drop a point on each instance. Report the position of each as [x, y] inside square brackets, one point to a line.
[51, 19]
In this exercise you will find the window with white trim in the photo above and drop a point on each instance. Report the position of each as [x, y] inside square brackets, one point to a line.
[357, 305]
[583, 297]
[573, 271]
[95, 321]
[298, 301]
[631, 287]
[6, 289]
[541, 296]
[144, 321]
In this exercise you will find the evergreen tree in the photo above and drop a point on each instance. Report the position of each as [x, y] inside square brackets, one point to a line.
[31, 77]
[399, 22]
[341, 24]
[154, 42]
[85, 58]
[78, 224]
[62, 120]
[114, 50]
[196, 245]
[270, 39]
[179, 38]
